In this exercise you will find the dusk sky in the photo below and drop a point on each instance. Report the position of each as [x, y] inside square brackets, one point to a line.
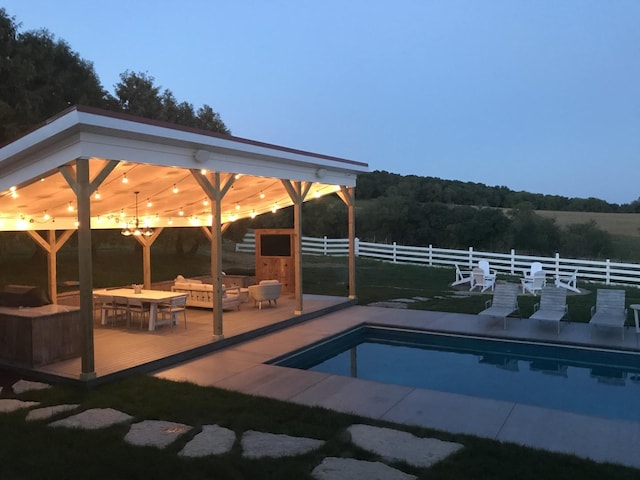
[542, 96]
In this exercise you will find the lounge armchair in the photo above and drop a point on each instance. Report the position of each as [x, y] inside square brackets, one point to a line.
[535, 283]
[609, 310]
[568, 281]
[533, 280]
[265, 291]
[462, 276]
[552, 306]
[483, 277]
[503, 304]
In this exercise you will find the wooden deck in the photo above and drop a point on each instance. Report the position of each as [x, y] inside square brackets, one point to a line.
[121, 350]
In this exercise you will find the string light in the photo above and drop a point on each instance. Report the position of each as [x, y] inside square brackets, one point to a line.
[181, 212]
[253, 214]
[261, 195]
[205, 202]
[14, 193]
[97, 195]
[46, 216]
[124, 178]
[149, 204]
[70, 207]
[175, 188]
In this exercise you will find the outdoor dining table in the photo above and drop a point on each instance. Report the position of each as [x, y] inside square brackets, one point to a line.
[153, 297]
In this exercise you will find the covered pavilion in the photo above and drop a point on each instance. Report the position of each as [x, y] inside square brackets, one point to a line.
[88, 169]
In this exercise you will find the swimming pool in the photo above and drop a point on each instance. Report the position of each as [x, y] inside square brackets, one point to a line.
[583, 380]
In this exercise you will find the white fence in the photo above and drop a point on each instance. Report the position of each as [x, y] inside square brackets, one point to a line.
[606, 271]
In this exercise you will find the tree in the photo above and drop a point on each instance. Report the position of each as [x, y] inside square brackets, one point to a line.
[39, 77]
[586, 240]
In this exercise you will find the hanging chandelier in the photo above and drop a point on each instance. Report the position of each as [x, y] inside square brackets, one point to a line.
[136, 231]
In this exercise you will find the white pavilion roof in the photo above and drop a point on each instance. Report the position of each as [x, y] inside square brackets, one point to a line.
[157, 160]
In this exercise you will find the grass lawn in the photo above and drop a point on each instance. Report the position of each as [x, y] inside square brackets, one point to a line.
[34, 450]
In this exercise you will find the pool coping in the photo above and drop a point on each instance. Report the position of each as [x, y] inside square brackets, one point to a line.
[242, 368]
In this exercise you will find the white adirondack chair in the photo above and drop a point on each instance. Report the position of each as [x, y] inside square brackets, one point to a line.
[462, 276]
[569, 282]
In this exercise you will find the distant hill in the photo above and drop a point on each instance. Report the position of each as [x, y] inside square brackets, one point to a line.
[619, 224]
[380, 183]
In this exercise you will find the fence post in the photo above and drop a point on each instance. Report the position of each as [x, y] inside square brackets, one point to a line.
[608, 272]
[394, 252]
[357, 246]
[430, 255]
[324, 245]
[557, 265]
[513, 261]
[470, 258]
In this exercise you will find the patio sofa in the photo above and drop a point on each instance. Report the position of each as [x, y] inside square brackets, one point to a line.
[200, 294]
[265, 291]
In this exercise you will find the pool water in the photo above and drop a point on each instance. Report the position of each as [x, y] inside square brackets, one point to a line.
[581, 380]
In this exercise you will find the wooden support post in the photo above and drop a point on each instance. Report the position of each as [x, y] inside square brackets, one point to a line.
[215, 188]
[297, 192]
[85, 270]
[146, 243]
[347, 194]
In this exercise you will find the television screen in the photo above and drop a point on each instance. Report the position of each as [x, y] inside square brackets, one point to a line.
[275, 245]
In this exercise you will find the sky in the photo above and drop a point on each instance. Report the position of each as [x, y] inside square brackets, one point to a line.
[541, 96]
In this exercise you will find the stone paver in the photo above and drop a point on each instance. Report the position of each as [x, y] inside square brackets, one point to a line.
[11, 405]
[155, 433]
[22, 386]
[213, 440]
[395, 445]
[332, 468]
[259, 445]
[45, 413]
[93, 419]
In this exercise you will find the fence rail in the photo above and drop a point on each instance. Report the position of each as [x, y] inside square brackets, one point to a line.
[604, 271]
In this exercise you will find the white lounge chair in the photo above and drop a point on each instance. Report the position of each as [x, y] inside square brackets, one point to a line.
[462, 276]
[552, 306]
[568, 281]
[503, 304]
[609, 310]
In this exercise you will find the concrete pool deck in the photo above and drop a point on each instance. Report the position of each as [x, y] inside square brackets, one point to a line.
[241, 368]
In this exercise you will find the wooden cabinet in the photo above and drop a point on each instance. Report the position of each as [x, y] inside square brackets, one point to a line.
[274, 257]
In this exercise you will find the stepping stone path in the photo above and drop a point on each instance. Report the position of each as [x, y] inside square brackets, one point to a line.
[388, 444]
[155, 433]
[94, 419]
[45, 413]
[213, 440]
[332, 468]
[260, 445]
[11, 405]
[394, 445]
